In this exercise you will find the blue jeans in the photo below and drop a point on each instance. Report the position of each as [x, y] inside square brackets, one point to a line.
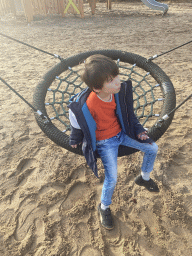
[108, 151]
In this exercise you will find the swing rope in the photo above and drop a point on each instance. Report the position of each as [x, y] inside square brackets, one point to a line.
[45, 118]
[61, 59]
[156, 56]
[33, 47]
[167, 116]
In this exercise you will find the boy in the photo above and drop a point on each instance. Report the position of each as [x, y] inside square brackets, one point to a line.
[102, 119]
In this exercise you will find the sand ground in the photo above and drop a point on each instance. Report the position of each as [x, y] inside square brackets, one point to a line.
[49, 197]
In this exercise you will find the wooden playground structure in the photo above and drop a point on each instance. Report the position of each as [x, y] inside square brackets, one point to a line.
[45, 7]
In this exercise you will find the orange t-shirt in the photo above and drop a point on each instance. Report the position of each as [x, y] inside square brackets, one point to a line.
[104, 114]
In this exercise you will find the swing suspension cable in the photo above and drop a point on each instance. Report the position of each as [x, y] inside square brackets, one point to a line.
[61, 59]
[159, 123]
[156, 56]
[18, 41]
[167, 116]
[45, 118]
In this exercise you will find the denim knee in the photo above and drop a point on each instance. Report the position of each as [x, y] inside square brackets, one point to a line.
[112, 182]
[155, 148]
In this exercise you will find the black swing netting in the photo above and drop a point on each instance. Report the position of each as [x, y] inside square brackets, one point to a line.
[153, 94]
[147, 94]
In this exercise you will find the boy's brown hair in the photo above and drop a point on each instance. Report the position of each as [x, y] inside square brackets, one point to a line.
[98, 69]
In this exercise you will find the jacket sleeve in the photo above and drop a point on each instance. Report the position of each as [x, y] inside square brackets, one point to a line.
[73, 120]
[76, 136]
[138, 128]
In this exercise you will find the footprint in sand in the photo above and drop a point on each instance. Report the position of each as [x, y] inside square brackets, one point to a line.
[25, 164]
[29, 215]
[78, 192]
[83, 241]
[78, 174]
[24, 170]
[18, 177]
[188, 205]
[81, 234]
[89, 250]
[40, 230]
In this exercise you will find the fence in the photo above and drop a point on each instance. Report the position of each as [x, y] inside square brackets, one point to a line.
[40, 7]
[7, 6]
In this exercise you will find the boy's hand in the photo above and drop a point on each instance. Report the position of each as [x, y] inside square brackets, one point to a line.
[143, 135]
[74, 146]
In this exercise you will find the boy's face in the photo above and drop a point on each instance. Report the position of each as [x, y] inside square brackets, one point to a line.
[112, 86]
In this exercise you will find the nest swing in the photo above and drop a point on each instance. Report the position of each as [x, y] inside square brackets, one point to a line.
[153, 94]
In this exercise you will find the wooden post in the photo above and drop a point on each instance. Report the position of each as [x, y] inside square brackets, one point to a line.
[2, 7]
[7, 6]
[80, 4]
[109, 4]
[11, 6]
[92, 4]
[28, 9]
[60, 7]
[42, 7]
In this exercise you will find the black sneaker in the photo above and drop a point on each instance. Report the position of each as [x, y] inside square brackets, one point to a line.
[148, 184]
[106, 218]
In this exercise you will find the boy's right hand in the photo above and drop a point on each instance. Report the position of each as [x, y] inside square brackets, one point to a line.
[74, 146]
[143, 135]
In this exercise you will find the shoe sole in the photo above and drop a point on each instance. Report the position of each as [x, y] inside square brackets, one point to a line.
[139, 184]
[147, 188]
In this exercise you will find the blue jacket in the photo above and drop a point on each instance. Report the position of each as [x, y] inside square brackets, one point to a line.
[86, 135]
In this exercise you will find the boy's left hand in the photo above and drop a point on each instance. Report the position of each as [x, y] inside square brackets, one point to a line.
[143, 136]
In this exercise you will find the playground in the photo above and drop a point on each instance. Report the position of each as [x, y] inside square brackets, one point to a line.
[48, 195]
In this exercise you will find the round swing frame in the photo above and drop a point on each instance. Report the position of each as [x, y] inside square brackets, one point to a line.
[62, 139]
